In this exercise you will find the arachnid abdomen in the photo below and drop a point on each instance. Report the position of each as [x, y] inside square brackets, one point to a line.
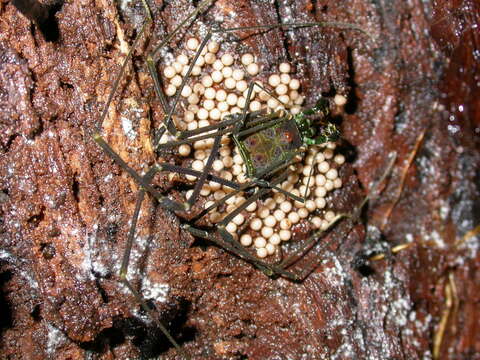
[262, 149]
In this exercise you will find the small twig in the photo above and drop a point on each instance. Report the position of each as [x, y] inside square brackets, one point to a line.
[469, 234]
[411, 157]
[456, 301]
[438, 337]
[395, 249]
[451, 301]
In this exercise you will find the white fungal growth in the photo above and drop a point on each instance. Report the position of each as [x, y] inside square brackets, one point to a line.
[219, 87]
[55, 339]
[128, 128]
[155, 291]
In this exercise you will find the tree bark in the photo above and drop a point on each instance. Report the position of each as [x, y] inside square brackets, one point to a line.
[412, 88]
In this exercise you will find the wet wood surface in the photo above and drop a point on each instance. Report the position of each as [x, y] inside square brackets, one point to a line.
[412, 86]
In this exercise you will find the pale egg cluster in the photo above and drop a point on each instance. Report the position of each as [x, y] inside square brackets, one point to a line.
[218, 87]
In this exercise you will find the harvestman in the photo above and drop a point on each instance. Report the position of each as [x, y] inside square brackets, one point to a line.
[243, 124]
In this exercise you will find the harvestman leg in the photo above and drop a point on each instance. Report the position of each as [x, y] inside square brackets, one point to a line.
[224, 127]
[164, 201]
[144, 181]
[229, 243]
[354, 217]
[125, 263]
[169, 125]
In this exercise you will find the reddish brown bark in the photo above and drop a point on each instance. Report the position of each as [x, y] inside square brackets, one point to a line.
[65, 206]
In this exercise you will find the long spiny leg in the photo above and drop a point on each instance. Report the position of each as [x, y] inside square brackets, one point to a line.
[187, 171]
[168, 121]
[157, 85]
[207, 132]
[163, 200]
[206, 170]
[375, 188]
[254, 118]
[207, 135]
[152, 315]
[335, 24]
[353, 218]
[230, 120]
[245, 108]
[230, 123]
[123, 273]
[231, 245]
[96, 135]
[131, 234]
[142, 181]
[98, 126]
[310, 175]
[254, 183]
